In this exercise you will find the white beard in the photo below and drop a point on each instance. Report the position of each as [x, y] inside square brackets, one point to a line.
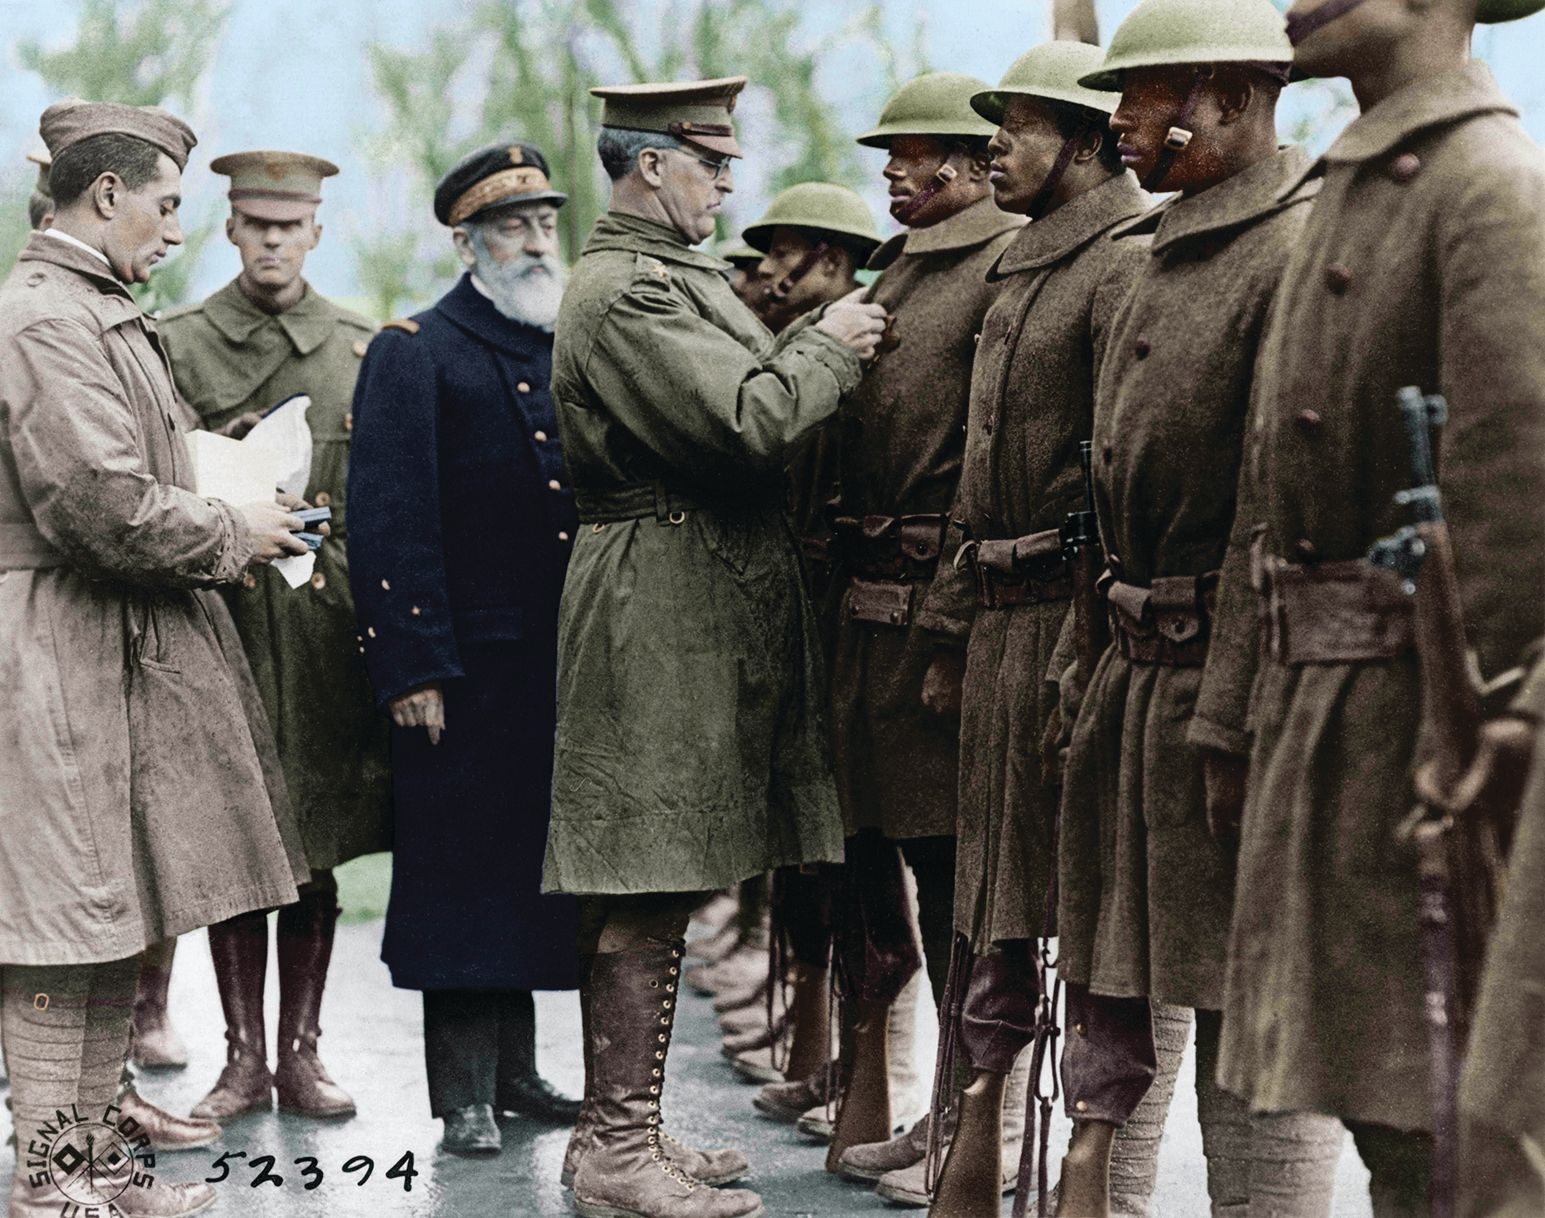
[528, 290]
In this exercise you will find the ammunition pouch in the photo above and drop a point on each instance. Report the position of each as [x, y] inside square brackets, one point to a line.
[1025, 570]
[884, 602]
[1330, 612]
[887, 557]
[1167, 623]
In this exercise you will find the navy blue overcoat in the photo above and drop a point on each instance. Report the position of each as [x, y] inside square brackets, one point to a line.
[460, 527]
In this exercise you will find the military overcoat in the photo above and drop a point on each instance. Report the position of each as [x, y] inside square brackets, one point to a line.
[1146, 892]
[902, 439]
[691, 744]
[230, 357]
[1423, 263]
[140, 795]
[1032, 398]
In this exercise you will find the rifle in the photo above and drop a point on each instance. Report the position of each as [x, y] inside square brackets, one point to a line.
[1459, 849]
[1086, 560]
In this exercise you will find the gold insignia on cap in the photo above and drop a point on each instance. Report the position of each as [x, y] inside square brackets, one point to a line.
[517, 155]
[524, 180]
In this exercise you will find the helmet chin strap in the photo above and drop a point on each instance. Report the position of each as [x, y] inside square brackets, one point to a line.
[1042, 200]
[1299, 28]
[1180, 133]
[784, 286]
[943, 176]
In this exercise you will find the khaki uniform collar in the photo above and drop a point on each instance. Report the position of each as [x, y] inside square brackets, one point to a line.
[1234, 203]
[307, 323]
[1073, 225]
[616, 231]
[71, 257]
[966, 229]
[1435, 101]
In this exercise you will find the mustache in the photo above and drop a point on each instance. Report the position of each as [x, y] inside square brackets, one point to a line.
[530, 264]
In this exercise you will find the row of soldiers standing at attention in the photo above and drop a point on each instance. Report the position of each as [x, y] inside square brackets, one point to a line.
[1207, 809]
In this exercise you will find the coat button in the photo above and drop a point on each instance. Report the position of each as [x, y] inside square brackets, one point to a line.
[539, 436]
[1405, 167]
[386, 585]
[348, 422]
[523, 387]
[319, 581]
[371, 631]
[555, 485]
[1082, 1105]
[1305, 549]
[1308, 420]
[1143, 348]
[416, 611]
[1338, 278]
[562, 536]
[324, 499]
[249, 580]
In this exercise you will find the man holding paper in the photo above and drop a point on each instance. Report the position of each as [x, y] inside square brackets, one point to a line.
[140, 797]
[264, 339]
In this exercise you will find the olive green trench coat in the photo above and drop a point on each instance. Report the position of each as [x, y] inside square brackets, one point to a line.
[902, 439]
[1032, 397]
[1146, 892]
[230, 357]
[140, 795]
[691, 745]
[1423, 263]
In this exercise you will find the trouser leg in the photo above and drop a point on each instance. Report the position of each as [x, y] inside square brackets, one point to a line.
[1501, 1174]
[461, 1048]
[997, 1018]
[932, 860]
[1399, 1164]
[1225, 1122]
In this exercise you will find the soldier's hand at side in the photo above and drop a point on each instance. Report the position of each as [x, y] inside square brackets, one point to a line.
[240, 425]
[854, 324]
[273, 531]
[942, 682]
[421, 708]
[1494, 783]
[1224, 775]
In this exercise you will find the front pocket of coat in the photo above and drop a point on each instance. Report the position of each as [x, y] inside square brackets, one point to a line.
[728, 539]
[150, 647]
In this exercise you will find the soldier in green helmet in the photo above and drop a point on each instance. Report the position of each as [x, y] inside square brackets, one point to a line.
[900, 647]
[1059, 284]
[742, 274]
[1422, 264]
[1146, 887]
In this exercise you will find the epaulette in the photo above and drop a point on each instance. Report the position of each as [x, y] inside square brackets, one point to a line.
[406, 324]
[651, 268]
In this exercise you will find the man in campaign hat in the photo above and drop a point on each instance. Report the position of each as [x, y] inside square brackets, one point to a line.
[690, 751]
[143, 796]
[461, 526]
[1422, 264]
[266, 336]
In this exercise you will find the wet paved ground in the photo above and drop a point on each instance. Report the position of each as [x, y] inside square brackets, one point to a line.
[372, 1044]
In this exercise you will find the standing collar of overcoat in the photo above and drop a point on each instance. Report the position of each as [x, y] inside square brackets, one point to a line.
[306, 323]
[72, 258]
[1251, 193]
[1434, 101]
[1073, 225]
[965, 230]
[617, 231]
[468, 309]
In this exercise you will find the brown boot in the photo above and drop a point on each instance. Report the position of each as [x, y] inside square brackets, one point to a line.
[105, 1196]
[166, 1132]
[154, 1043]
[239, 948]
[626, 1172]
[305, 947]
[1084, 1189]
[579, 1140]
[733, 1044]
[810, 1009]
[789, 1101]
[971, 1183]
[864, 1111]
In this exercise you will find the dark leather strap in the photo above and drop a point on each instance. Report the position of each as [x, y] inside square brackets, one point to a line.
[1069, 150]
[653, 499]
[1168, 623]
[1179, 133]
[943, 176]
[1331, 612]
[891, 547]
[806, 265]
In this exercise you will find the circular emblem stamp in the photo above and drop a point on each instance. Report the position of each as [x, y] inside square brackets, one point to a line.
[90, 1160]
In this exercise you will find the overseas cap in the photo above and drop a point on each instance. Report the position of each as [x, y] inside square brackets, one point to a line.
[69, 121]
[937, 103]
[274, 185]
[43, 161]
[697, 111]
[1051, 72]
[1160, 33]
[495, 176]
[1494, 12]
[822, 207]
